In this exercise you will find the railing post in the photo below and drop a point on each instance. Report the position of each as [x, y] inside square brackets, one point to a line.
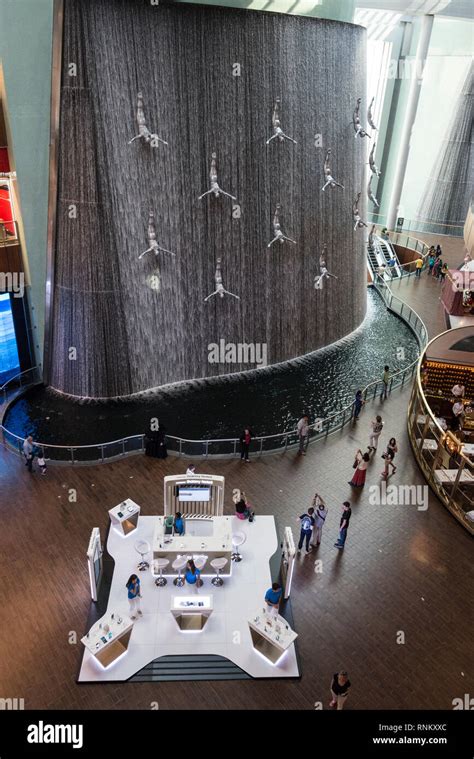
[102, 453]
[143, 443]
[207, 449]
[72, 455]
[261, 446]
[403, 378]
[180, 446]
[286, 442]
[235, 446]
[123, 446]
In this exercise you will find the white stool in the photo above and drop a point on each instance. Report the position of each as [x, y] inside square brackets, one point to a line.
[238, 538]
[218, 565]
[142, 547]
[200, 563]
[161, 564]
[179, 563]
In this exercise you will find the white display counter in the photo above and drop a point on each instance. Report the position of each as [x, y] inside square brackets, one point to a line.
[191, 612]
[271, 635]
[108, 638]
[209, 536]
[124, 517]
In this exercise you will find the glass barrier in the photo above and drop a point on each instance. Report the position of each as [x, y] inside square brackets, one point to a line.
[445, 460]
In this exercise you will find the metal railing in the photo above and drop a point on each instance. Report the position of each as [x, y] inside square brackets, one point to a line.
[17, 382]
[427, 226]
[229, 447]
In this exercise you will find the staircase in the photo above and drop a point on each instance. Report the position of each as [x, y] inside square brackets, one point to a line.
[189, 667]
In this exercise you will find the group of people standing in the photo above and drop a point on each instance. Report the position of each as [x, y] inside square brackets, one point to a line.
[436, 267]
[312, 523]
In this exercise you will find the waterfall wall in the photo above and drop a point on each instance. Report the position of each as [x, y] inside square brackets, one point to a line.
[122, 324]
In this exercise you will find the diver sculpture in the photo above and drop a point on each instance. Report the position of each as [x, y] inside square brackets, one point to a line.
[277, 230]
[278, 133]
[143, 131]
[370, 194]
[330, 181]
[153, 246]
[372, 164]
[356, 123]
[220, 289]
[358, 223]
[324, 273]
[370, 118]
[214, 183]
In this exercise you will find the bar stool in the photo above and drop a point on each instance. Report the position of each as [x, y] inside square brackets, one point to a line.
[218, 565]
[178, 564]
[142, 547]
[161, 564]
[200, 563]
[238, 538]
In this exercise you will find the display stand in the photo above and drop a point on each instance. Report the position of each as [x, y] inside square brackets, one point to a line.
[107, 645]
[271, 635]
[191, 612]
[124, 517]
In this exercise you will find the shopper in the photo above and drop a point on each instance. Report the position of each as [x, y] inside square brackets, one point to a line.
[243, 509]
[303, 434]
[28, 453]
[439, 252]
[457, 415]
[134, 595]
[339, 690]
[418, 267]
[245, 440]
[360, 465]
[193, 574]
[436, 266]
[319, 515]
[458, 390]
[343, 525]
[385, 381]
[388, 457]
[442, 272]
[191, 471]
[273, 597]
[42, 464]
[178, 523]
[358, 403]
[307, 524]
[376, 427]
[431, 261]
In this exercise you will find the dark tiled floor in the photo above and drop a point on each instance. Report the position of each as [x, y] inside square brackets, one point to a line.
[403, 570]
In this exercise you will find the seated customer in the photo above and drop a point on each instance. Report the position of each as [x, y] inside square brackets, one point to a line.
[179, 523]
[242, 508]
[273, 597]
[193, 575]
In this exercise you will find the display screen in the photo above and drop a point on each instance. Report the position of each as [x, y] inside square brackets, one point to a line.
[194, 493]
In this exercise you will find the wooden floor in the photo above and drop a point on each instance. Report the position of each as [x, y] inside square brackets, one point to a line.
[403, 570]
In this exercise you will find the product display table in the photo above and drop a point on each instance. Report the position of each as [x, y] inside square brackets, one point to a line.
[124, 517]
[108, 638]
[210, 537]
[450, 475]
[191, 612]
[271, 635]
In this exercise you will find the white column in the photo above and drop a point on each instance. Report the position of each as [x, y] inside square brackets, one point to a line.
[410, 115]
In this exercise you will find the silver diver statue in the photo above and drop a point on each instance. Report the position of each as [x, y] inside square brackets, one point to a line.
[356, 121]
[372, 164]
[143, 131]
[330, 181]
[278, 132]
[324, 273]
[214, 184]
[358, 223]
[370, 194]
[277, 230]
[370, 118]
[154, 247]
[220, 289]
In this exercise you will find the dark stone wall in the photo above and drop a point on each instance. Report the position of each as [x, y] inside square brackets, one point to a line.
[128, 336]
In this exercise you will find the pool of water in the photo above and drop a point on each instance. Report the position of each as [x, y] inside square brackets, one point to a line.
[268, 400]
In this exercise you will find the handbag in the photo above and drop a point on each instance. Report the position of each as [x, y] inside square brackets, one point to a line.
[354, 465]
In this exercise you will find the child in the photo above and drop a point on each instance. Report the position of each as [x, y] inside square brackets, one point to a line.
[42, 464]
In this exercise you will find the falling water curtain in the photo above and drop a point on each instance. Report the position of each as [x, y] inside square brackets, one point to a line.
[135, 324]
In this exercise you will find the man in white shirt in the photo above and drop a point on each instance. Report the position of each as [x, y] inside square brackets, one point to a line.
[458, 390]
[320, 514]
[376, 427]
[458, 411]
[28, 452]
[303, 434]
[190, 471]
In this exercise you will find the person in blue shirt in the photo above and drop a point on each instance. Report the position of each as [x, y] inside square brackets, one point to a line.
[179, 523]
[134, 595]
[307, 524]
[193, 575]
[273, 596]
